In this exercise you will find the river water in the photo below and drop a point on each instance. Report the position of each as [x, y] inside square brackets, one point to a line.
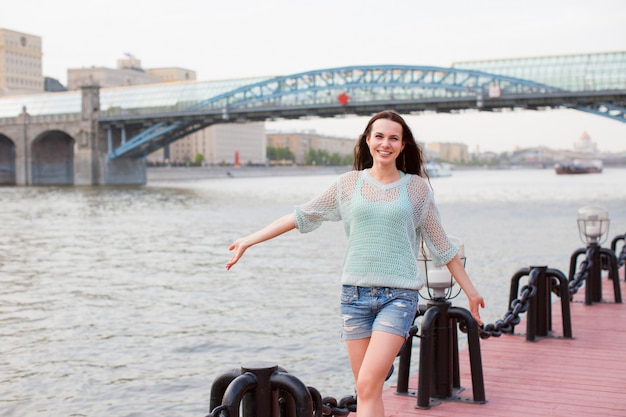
[115, 300]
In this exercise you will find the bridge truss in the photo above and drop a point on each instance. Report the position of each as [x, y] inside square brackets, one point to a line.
[357, 90]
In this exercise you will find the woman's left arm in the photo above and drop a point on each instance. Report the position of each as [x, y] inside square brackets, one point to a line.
[460, 276]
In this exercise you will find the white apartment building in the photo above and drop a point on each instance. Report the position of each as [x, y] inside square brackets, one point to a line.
[20, 63]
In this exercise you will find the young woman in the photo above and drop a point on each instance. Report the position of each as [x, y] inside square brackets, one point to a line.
[387, 208]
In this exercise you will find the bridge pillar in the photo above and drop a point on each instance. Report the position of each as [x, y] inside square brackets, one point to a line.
[91, 164]
[21, 134]
[97, 166]
[86, 169]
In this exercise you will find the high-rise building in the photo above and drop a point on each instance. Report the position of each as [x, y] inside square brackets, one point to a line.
[20, 63]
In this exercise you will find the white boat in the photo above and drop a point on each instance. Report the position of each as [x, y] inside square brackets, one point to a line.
[438, 169]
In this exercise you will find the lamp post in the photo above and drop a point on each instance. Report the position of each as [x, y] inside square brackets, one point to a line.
[593, 228]
[439, 355]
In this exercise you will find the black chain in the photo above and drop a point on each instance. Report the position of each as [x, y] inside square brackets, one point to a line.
[344, 407]
[580, 277]
[521, 304]
[327, 407]
[511, 318]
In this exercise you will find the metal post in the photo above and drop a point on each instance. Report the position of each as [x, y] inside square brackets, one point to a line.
[613, 265]
[262, 390]
[566, 316]
[539, 321]
[593, 288]
[426, 355]
[621, 258]
[442, 354]
[476, 364]
[404, 364]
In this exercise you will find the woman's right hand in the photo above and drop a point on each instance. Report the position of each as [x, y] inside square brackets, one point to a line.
[277, 227]
[238, 248]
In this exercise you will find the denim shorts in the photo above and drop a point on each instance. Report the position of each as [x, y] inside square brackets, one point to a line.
[366, 309]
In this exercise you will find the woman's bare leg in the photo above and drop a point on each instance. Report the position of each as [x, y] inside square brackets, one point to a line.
[371, 360]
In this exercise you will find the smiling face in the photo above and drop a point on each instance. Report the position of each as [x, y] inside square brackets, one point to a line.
[385, 141]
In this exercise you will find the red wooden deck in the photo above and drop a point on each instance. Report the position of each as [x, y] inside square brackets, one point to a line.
[582, 376]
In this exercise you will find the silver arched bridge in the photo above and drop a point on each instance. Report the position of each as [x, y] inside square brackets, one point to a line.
[359, 90]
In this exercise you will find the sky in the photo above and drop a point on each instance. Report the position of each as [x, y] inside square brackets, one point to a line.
[247, 38]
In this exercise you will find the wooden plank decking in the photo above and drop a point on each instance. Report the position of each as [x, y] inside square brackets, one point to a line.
[553, 376]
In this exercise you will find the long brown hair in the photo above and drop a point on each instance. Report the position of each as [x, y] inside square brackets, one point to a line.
[411, 160]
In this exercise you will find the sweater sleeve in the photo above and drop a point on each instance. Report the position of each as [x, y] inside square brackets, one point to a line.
[431, 229]
[324, 207]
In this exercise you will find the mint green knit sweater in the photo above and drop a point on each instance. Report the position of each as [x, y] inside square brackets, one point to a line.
[384, 225]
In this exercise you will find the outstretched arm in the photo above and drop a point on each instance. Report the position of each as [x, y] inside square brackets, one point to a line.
[460, 276]
[276, 228]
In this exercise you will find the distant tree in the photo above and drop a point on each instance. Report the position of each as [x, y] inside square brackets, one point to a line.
[199, 159]
[280, 154]
[322, 157]
[334, 160]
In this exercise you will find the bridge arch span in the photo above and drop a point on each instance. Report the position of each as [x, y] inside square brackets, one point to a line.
[369, 85]
[52, 158]
[7, 161]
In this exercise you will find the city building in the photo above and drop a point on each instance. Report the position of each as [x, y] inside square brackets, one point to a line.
[585, 145]
[20, 63]
[449, 152]
[231, 143]
[300, 142]
[128, 72]
[169, 74]
[220, 144]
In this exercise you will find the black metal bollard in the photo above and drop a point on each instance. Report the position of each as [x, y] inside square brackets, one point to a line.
[439, 361]
[258, 390]
[595, 255]
[539, 319]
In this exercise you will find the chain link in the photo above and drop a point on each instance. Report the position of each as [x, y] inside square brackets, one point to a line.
[329, 406]
[345, 406]
[579, 279]
[512, 317]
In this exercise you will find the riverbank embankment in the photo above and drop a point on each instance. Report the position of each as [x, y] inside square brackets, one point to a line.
[158, 174]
